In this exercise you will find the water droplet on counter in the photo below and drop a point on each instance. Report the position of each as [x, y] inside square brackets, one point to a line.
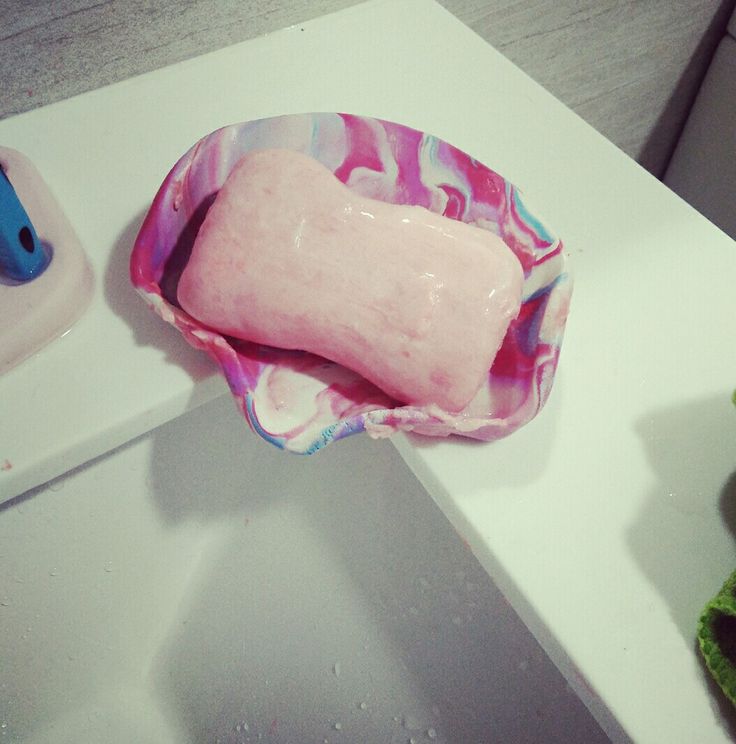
[108, 567]
[337, 726]
[362, 705]
[336, 669]
[431, 733]
[53, 572]
[4, 602]
[412, 740]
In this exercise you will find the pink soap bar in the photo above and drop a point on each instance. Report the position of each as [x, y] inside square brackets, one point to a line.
[290, 257]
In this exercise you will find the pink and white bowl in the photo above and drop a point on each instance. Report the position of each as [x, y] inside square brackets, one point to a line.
[302, 402]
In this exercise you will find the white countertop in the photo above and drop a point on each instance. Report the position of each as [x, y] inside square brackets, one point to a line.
[607, 520]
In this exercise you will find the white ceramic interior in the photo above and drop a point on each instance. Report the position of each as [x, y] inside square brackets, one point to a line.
[196, 585]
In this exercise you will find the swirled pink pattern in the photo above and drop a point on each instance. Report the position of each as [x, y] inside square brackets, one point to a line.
[302, 402]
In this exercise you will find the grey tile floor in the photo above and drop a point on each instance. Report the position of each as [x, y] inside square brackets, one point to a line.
[630, 68]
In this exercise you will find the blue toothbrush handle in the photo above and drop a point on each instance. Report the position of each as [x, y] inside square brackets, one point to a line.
[22, 256]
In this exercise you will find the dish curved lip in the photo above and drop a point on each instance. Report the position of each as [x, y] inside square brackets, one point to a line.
[318, 401]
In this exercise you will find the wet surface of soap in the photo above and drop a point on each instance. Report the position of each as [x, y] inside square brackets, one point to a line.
[413, 301]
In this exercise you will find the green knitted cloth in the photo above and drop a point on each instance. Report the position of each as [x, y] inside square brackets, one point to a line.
[717, 637]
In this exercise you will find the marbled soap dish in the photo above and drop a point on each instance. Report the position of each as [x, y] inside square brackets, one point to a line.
[319, 401]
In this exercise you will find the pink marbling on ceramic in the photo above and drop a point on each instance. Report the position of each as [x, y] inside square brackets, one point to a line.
[302, 402]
